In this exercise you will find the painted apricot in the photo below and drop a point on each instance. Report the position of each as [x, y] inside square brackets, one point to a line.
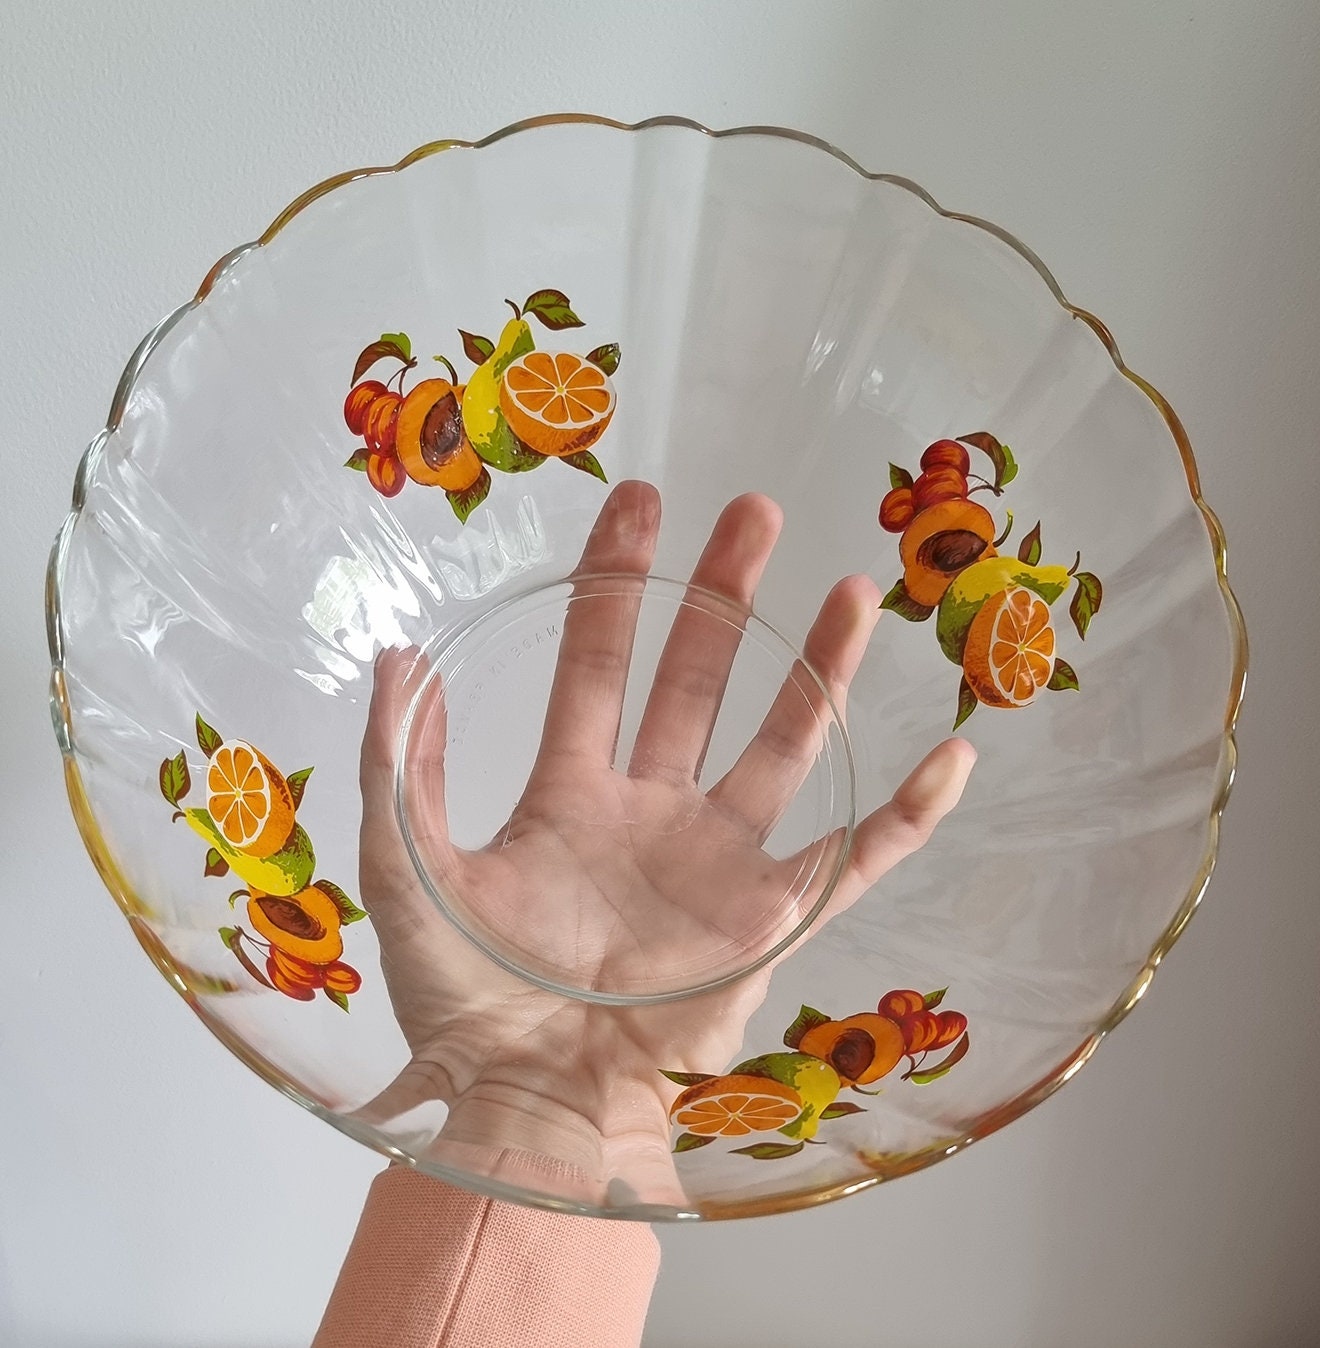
[382, 418]
[936, 485]
[860, 1048]
[920, 1031]
[358, 403]
[430, 440]
[946, 454]
[282, 983]
[901, 1002]
[896, 510]
[305, 925]
[951, 1027]
[385, 473]
[939, 543]
[341, 977]
[295, 970]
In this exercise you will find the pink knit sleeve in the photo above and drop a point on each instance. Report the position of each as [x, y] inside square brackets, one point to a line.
[432, 1266]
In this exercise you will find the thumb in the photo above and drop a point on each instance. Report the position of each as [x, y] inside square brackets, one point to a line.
[387, 875]
[398, 677]
[905, 824]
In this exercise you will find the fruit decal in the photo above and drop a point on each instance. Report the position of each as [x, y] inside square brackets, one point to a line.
[793, 1093]
[993, 613]
[250, 827]
[518, 408]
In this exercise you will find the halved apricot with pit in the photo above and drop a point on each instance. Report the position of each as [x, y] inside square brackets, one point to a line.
[429, 437]
[860, 1048]
[305, 925]
[939, 543]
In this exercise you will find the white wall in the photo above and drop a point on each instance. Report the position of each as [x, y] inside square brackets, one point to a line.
[1165, 160]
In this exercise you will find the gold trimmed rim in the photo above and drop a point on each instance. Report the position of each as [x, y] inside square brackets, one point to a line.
[883, 1167]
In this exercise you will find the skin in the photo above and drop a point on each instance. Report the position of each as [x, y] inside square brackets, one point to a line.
[523, 1068]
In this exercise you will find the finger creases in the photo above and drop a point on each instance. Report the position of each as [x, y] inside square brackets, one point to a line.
[905, 823]
[693, 671]
[398, 673]
[772, 769]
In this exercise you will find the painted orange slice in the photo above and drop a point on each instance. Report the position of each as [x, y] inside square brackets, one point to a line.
[248, 799]
[556, 403]
[1009, 654]
[733, 1106]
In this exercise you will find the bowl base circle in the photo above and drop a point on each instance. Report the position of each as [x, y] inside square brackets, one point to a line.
[624, 789]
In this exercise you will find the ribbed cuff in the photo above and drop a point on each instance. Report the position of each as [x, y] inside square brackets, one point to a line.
[432, 1266]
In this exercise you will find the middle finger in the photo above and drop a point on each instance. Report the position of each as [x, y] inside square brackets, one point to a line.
[693, 671]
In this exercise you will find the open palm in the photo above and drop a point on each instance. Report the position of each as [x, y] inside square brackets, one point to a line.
[616, 874]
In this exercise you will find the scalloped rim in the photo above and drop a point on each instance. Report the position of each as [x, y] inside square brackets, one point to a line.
[883, 1167]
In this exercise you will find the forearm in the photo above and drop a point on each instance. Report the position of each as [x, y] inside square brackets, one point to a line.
[432, 1266]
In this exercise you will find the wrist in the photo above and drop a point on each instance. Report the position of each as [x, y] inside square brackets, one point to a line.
[577, 1151]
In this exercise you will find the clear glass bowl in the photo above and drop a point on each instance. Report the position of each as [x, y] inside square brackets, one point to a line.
[744, 311]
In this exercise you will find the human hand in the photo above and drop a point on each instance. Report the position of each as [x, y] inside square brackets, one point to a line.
[593, 856]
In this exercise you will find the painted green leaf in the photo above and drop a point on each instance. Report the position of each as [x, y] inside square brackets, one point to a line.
[476, 348]
[399, 339]
[553, 309]
[208, 740]
[605, 357]
[175, 782]
[1064, 676]
[236, 895]
[586, 462]
[899, 477]
[687, 1078]
[840, 1108]
[690, 1142]
[899, 601]
[298, 784]
[999, 455]
[215, 863]
[1086, 602]
[466, 501]
[966, 703]
[390, 347]
[230, 936]
[929, 1074]
[769, 1151]
[807, 1019]
[340, 999]
[933, 999]
[348, 910]
[357, 460]
[521, 459]
[1029, 548]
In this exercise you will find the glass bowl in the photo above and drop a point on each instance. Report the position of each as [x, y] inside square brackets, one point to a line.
[390, 424]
